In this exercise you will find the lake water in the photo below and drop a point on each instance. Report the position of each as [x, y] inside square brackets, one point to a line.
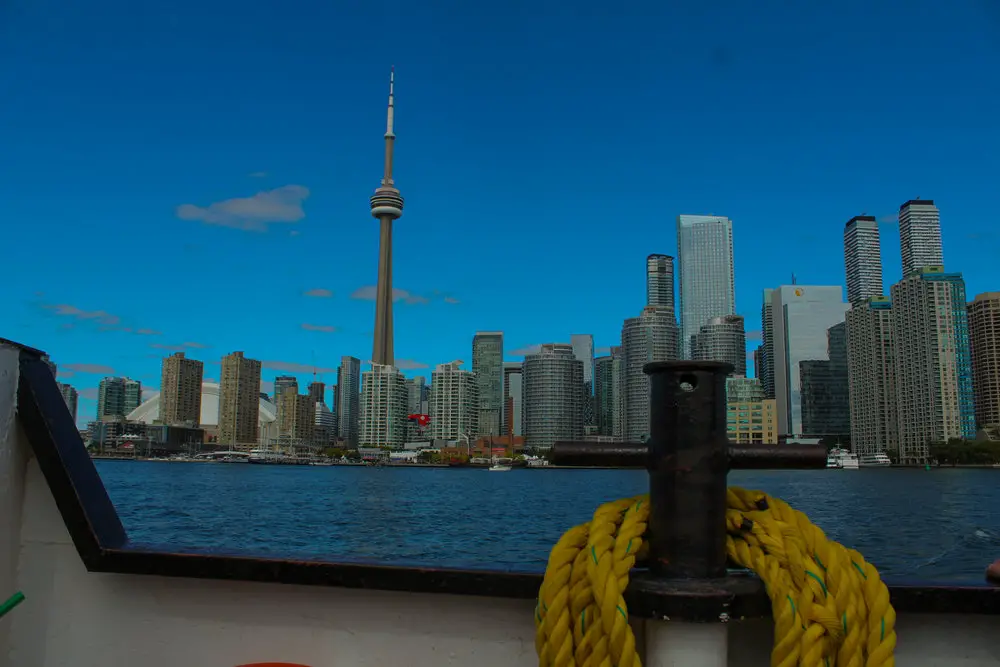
[941, 525]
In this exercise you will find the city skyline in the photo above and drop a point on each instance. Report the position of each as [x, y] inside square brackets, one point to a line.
[261, 211]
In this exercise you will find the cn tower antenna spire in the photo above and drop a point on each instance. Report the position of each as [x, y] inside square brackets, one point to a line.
[390, 136]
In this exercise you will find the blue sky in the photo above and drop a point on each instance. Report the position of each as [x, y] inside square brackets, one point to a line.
[544, 149]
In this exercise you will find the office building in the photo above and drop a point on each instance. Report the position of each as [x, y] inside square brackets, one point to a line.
[609, 399]
[706, 281]
[417, 403]
[660, 281]
[766, 369]
[239, 401]
[180, 390]
[71, 396]
[583, 349]
[513, 399]
[553, 396]
[296, 419]
[751, 418]
[871, 378]
[920, 235]
[116, 397]
[722, 339]
[324, 426]
[801, 316]
[487, 364]
[383, 407]
[317, 390]
[826, 409]
[862, 259]
[930, 332]
[283, 382]
[650, 337]
[984, 343]
[349, 400]
[454, 403]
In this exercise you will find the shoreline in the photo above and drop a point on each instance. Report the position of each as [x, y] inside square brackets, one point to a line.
[483, 466]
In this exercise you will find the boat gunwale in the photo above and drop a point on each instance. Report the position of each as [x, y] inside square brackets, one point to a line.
[103, 545]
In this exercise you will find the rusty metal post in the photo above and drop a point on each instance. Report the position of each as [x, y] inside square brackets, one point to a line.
[688, 463]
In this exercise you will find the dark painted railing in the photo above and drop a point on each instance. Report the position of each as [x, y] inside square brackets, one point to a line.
[685, 474]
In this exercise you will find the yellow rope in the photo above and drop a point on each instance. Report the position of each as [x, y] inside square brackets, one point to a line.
[830, 607]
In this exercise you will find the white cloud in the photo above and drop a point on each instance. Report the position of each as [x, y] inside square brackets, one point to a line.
[254, 213]
[100, 316]
[451, 299]
[93, 369]
[369, 292]
[319, 327]
[258, 174]
[319, 293]
[292, 367]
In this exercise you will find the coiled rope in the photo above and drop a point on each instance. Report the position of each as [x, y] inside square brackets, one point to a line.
[830, 606]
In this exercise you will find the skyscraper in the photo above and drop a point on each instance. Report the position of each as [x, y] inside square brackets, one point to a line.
[513, 422]
[706, 281]
[660, 281]
[239, 401]
[116, 397]
[487, 364]
[862, 258]
[283, 382]
[650, 337]
[920, 235]
[934, 396]
[348, 400]
[180, 390]
[607, 392]
[454, 403]
[317, 391]
[801, 316]
[871, 377]
[296, 419]
[387, 206]
[984, 342]
[383, 407]
[111, 399]
[71, 396]
[826, 409]
[553, 396]
[766, 370]
[722, 339]
[583, 349]
[417, 403]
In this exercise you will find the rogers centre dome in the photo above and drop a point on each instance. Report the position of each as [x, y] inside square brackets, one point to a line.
[149, 411]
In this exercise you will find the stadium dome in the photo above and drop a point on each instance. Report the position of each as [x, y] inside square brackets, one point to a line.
[149, 411]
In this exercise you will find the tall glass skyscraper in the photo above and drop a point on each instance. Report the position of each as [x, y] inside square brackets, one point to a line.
[660, 281]
[706, 281]
[920, 235]
[801, 316]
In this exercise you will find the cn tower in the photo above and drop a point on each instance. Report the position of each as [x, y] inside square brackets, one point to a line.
[387, 205]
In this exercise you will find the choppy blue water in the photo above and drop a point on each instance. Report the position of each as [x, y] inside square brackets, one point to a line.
[940, 525]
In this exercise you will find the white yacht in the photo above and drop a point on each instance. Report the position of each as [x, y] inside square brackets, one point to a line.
[843, 459]
[880, 460]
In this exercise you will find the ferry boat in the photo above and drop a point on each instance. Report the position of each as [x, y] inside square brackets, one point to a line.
[95, 598]
[880, 460]
[842, 459]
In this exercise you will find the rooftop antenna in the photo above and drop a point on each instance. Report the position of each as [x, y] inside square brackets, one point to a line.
[794, 282]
